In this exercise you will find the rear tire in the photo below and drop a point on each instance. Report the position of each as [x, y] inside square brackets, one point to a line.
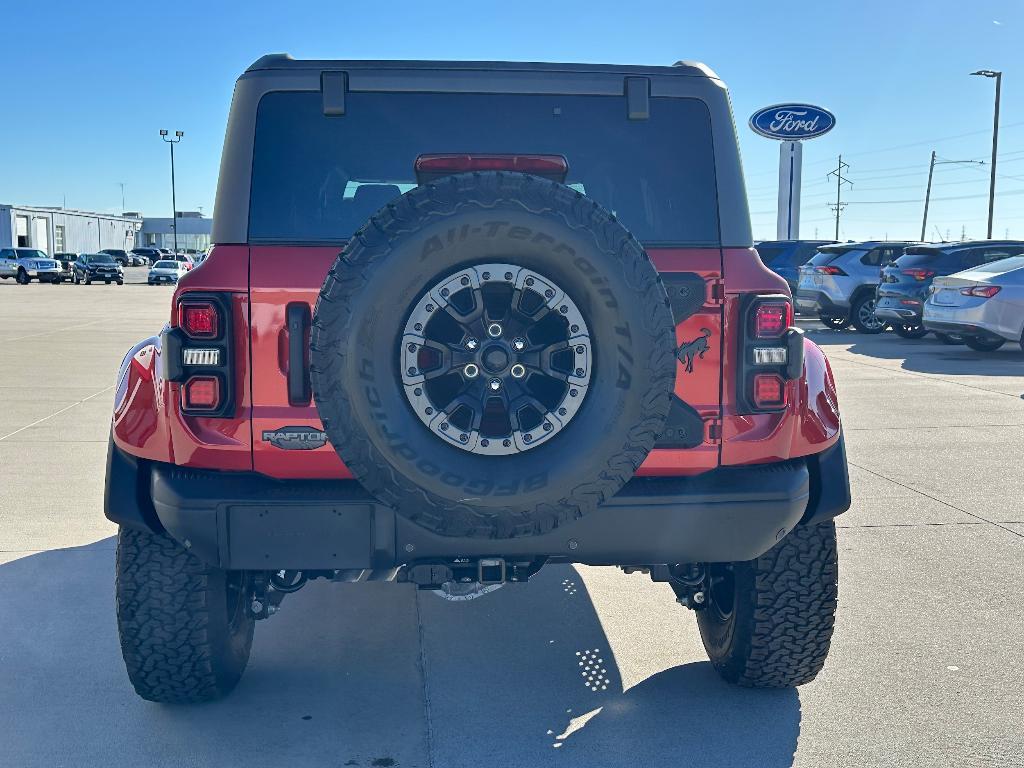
[910, 331]
[184, 628]
[983, 345]
[862, 315]
[838, 323]
[769, 624]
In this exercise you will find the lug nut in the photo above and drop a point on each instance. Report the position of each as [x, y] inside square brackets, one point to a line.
[698, 598]
[471, 371]
[518, 371]
[494, 330]
[472, 344]
[519, 345]
[494, 384]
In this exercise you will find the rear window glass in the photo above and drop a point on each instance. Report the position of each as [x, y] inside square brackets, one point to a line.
[1003, 265]
[317, 178]
[771, 253]
[919, 257]
[824, 257]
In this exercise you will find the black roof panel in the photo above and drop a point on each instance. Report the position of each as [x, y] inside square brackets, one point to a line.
[284, 61]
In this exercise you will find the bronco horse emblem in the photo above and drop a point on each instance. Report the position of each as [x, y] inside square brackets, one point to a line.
[696, 348]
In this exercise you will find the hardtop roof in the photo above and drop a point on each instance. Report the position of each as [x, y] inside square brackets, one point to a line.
[284, 61]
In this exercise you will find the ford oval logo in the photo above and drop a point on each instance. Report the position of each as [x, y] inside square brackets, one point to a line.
[792, 122]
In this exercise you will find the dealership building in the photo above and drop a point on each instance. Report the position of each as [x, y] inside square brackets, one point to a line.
[64, 230]
[59, 230]
[193, 232]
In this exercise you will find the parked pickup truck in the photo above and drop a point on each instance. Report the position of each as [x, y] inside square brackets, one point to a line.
[28, 264]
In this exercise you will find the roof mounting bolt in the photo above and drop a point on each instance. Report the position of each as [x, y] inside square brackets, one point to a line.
[472, 344]
[519, 344]
[494, 384]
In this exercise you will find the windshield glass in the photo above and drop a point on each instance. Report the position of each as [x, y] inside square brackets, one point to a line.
[166, 265]
[318, 178]
[25, 253]
[102, 258]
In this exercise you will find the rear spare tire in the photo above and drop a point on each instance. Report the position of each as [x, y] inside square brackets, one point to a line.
[492, 355]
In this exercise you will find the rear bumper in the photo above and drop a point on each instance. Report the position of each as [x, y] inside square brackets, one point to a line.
[970, 330]
[243, 520]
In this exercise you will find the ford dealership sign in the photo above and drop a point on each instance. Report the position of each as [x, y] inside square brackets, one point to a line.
[792, 122]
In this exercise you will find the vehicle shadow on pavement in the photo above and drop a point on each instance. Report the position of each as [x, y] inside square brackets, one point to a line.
[369, 675]
[927, 355]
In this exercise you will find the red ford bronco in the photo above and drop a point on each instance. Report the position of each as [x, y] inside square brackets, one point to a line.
[462, 320]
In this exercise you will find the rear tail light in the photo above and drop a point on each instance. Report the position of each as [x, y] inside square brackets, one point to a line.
[772, 353]
[829, 271]
[918, 274]
[198, 354]
[201, 393]
[771, 319]
[433, 166]
[985, 291]
[769, 390]
[198, 319]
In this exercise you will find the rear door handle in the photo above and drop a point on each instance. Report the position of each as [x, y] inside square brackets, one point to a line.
[297, 320]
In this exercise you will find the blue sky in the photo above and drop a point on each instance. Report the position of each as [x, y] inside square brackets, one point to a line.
[87, 86]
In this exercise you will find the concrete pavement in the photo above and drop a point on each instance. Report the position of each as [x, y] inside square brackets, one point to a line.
[927, 667]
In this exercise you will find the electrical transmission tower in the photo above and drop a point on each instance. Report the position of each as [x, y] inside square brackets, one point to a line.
[838, 205]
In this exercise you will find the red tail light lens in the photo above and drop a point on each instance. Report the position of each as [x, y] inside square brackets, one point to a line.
[769, 391]
[829, 271]
[542, 165]
[771, 319]
[198, 319]
[201, 393]
[918, 274]
[985, 291]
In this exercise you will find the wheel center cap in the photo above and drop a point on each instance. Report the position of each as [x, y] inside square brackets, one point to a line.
[494, 358]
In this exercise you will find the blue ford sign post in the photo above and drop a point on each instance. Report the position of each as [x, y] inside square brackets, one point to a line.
[791, 124]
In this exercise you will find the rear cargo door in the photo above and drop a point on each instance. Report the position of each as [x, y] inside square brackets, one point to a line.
[694, 283]
[319, 172]
[288, 439]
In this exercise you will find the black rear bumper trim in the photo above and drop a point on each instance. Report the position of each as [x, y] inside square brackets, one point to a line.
[244, 520]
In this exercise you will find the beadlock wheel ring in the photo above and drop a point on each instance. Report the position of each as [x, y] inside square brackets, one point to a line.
[451, 356]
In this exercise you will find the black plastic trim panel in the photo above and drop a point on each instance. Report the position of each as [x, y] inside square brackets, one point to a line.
[249, 521]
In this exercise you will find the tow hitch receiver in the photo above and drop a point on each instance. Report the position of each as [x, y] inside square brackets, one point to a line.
[491, 571]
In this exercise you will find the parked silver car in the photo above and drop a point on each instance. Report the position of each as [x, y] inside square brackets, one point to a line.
[27, 264]
[166, 271]
[984, 305]
[838, 283]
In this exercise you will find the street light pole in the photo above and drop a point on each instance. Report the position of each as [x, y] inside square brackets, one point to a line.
[174, 199]
[995, 144]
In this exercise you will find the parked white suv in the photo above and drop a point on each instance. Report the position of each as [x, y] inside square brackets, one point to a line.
[839, 282]
[27, 264]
